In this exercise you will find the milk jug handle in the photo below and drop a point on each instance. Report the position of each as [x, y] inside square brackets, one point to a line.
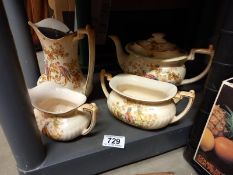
[91, 47]
[179, 96]
[92, 109]
[191, 56]
[103, 74]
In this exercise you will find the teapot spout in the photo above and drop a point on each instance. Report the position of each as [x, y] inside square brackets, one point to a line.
[121, 55]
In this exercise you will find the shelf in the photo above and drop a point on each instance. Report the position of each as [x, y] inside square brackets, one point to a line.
[86, 155]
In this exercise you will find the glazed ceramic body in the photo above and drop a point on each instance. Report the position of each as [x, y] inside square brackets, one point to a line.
[65, 127]
[61, 113]
[164, 66]
[61, 56]
[148, 105]
[143, 115]
[147, 67]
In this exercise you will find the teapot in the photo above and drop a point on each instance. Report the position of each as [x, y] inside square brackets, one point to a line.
[61, 113]
[150, 104]
[60, 47]
[159, 59]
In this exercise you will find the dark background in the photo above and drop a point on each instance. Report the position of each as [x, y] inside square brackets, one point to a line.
[225, 97]
[187, 23]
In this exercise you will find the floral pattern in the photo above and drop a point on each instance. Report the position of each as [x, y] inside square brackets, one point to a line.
[55, 51]
[139, 67]
[60, 67]
[139, 114]
[133, 115]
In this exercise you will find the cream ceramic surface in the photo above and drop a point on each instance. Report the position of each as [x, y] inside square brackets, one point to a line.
[142, 102]
[60, 112]
[51, 90]
[61, 56]
[162, 61]
[146, 91]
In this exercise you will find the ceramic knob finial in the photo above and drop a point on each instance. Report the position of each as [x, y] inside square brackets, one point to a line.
[159, 37]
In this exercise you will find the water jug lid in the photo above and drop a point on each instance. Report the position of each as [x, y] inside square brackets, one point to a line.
[53, 24]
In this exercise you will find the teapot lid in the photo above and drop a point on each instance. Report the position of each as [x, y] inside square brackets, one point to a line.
[155, 47]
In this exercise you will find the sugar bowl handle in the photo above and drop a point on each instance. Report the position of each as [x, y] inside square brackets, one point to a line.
[108, 76]
[210, 52]
[91, 108]
[179, 96]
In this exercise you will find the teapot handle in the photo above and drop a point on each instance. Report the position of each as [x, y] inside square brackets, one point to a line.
[210, 52]
[91, 47]
[92, 108]
[103, 86]
[179, 96]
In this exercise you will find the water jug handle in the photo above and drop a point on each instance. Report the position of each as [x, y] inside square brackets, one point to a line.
[179, 96]
[91, 47]
[210, 52]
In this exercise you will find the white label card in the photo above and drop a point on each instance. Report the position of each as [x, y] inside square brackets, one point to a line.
[114, 141]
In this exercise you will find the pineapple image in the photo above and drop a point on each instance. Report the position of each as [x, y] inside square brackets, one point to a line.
[217, 121]
[221, 122]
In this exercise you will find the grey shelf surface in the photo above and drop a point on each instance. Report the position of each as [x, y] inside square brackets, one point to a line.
[86, 155]
[172, 161]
